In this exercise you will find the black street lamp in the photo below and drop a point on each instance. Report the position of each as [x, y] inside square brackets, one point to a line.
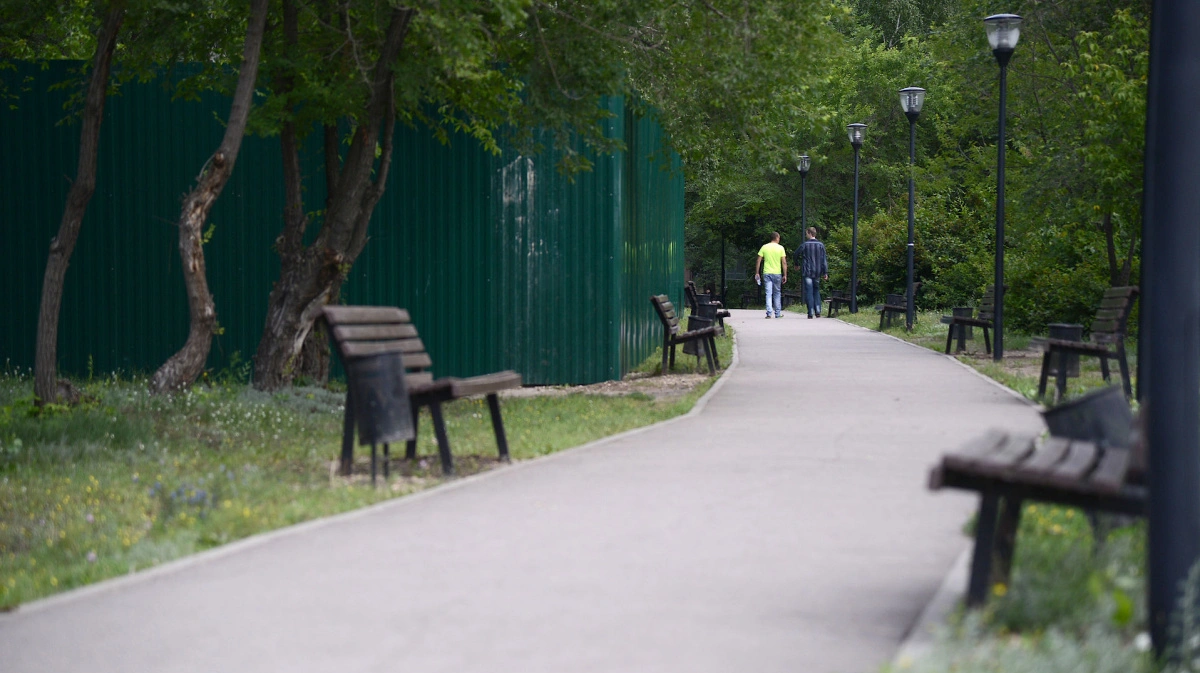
[802, 163]
[1169, 341]
[911, 100]
[1003, 31]
[856, 132]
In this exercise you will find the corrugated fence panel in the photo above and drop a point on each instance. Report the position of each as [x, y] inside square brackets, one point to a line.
[504, 262]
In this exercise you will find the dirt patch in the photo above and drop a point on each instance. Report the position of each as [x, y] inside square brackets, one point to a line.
[663, 388]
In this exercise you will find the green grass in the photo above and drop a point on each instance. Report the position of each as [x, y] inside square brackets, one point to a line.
[127, 480]
[1021, 367]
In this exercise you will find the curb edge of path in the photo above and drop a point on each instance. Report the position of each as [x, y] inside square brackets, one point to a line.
[182, 564]
[953, 359]
[921, 638]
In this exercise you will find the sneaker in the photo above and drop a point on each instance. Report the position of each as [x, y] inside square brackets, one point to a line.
[810, 316]
[768, 316]
[778, 315]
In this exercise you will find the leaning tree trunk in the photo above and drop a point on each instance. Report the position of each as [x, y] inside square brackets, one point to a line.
[182, 368]
[311, 277]
[45, 368]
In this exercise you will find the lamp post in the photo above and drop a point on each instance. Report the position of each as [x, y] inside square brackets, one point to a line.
[856, 132]
[802, 164]
[911, 100]
[1003, 31]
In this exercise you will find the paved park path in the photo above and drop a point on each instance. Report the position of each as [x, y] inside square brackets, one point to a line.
[786, 527]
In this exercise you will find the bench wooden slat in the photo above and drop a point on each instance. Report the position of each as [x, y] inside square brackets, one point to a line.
[1003, 461]
[976, 449]
[1076, 346]
[1124, 291]
[420, 361]
[358, 349]
[1110, 474]
[374, 332]
[341, 315]
[1080, 459]
[1045, 458]
[488, 383]
[418, 380]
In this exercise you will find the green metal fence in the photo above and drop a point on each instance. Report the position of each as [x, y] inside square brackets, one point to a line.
[503, 262]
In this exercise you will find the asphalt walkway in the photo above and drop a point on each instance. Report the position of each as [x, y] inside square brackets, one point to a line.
[785, 527]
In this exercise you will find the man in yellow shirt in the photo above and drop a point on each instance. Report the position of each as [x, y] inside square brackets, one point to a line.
[774, 273]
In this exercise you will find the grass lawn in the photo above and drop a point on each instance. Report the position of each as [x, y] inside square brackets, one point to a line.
[127, 480]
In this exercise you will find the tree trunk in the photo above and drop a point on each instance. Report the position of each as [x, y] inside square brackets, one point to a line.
[311, 279]
[182, 368]
[45, 377]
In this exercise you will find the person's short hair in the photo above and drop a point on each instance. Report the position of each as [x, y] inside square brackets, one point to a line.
[812, 231]
[774, 235]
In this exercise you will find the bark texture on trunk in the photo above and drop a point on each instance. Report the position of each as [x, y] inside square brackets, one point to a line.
[45, 377]
[312, 277]
[182, 368]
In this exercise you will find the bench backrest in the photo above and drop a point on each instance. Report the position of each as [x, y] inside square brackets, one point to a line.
[896, 300]
[1111, 320]
[666, 313]
[689, 295]
[987, 305]
[359, 331]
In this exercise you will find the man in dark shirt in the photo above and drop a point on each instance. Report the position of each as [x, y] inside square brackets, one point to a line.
[813, 267]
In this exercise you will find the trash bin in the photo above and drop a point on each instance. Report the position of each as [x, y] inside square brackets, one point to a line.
[378, 399]
[697, 347]
[1065, 332]
[1101, 416]
[968, 332]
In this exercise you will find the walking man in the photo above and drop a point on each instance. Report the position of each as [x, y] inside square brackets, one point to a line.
[813, 267]
[774, 273]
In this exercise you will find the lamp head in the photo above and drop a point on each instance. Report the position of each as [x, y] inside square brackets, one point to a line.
[1003, 31]
[802, 163]
[856, 131]
[911, 100]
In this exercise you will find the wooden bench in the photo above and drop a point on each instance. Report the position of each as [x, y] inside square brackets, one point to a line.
[1008, 469]
[1107, 341]
[359, 331]
[704, 306]
[894, 305]
[789, 297]
[837, 299]
[705, 337]
[959, 323]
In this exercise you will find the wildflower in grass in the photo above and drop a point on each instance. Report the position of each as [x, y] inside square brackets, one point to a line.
[999, 589]
[91, 557]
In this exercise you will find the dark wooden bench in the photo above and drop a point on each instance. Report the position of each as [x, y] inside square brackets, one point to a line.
[838, 299]
[789, 297]
[672, 335]
[1008, 469]
[895, 305]
[359, 331]
[959, 323]
[1108, 334]
[704, 306]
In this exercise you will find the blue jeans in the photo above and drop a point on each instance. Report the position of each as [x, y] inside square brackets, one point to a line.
[812, 295]
[773, 284]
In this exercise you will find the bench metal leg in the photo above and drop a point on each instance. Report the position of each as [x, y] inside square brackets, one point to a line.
[666, 346]
[710, 354]
[498, 426]
[439, 429]
[1006, 540]
[712, 343]
[347, 438]
[981, 561]
[387, 462]
[672, 356]
[372, 463]
[1060, 387]
[949, 338]
[1104, 369]
[1123, 363]
[987, 343]
[1045, 373]
[410, 450]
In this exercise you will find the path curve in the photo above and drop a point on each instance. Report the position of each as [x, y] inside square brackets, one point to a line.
[786, 527]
